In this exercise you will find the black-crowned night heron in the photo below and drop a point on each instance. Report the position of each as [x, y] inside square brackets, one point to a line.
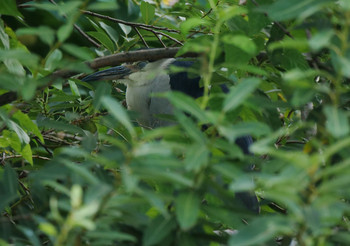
[144, 78]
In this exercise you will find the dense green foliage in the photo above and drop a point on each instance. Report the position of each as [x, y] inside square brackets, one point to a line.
[76, 169]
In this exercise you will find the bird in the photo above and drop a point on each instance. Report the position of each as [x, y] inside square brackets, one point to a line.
[143, 78]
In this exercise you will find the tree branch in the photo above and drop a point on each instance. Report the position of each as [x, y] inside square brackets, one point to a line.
[111, 60]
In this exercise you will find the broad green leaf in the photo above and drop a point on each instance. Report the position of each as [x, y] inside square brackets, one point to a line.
[256, 129]
[158, 229]
[63, 8]
[126, 29]
[48, 228]
[187, 209]
[26, 152]
[24, 120]
[191, 128]
[81, 171]
[82, 53]
[111, 235]
[9, 7]
[22, 135]
[23, 57]
[345, 4]
[156, 201]
[191, 23]
[59, 125]
[261, 230]
[8, 187]
[74, 88]
[187, 104]
[10, 139]
[240, 92]
[242, 42]
[64, 32]
[52, 61]
[110, 31]
[46, 34]
[4, 37]
[103, 39]
[101, 6]
[197, 156]
[147, 11]
[337, 121]
[102, 90]
[118, 112]
[160, 175]
[300, 9]
[321, 39]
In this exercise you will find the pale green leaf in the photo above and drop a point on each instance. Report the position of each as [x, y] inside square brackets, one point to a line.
[240, 92]
[187, 209]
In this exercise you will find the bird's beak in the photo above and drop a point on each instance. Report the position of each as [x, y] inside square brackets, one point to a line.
[113, 73]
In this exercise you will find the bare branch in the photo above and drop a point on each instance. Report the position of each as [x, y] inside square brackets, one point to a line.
[138, 55]
[132, 24]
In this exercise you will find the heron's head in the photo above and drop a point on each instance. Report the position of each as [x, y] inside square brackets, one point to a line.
[136, 74]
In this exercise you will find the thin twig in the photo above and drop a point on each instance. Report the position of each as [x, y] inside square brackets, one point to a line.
[132, 24]
[163, 34]
[80, 30]
[5, 157]
[140, 35]
[160, 40]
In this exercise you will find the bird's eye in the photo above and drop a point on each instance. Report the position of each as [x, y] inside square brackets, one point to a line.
[141, 65]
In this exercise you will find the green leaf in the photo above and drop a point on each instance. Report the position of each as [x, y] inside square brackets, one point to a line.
[46, 34]
[103, 39]
[286, 9]
[26, 152]
[321, 39]
[102, 90]
[118, 112]
[187, 209]
[82, 53]
[239, 93]
[24, 120]
[81, 171]
[337, 122]
[111, 235]
[345, 4]
[197, 156]
[187, 104]
[261, 230]
[63, 8]
[8, 187]
[191, 128]
[231, 132]
[242, 42]
[191, 23]
[110, 31]
[101, 6]
[64, 32]
[22, 56]
[22, 135]
[59, 125]
[52, 61]
[147, 11]
[9, 7]
[158, 229]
